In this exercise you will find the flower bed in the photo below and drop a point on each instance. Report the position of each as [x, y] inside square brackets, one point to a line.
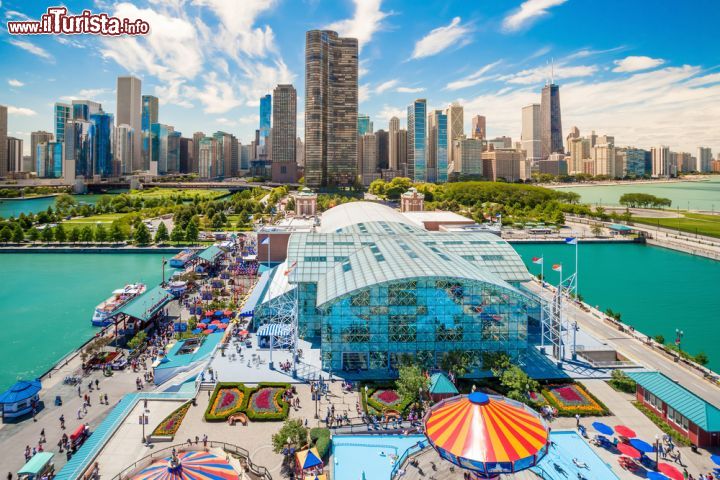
[571, 399]
[266, 402]
[170, 424]
[381, 398]
[228, 398]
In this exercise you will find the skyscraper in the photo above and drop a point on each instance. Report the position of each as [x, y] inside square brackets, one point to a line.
[63, 114]
[703, 159]
[78, 149]
[416, 138]
[530, 134]
[82, 109]
[122, 149]
[265, 117]
[365, 125]
[150, 115]
[661, 165]
[369, 158]
[102, 133]
[3, 141]
[15, 154]
[129, 111]
[165, 149]
[455, 127]
[551, 138]
[437, 146]
[207, 148]
[37, 138]
[284, 134]
[186, 153]
[197, 136]
[393, 127]
[479, 130]
[382, 146]
[331, 104]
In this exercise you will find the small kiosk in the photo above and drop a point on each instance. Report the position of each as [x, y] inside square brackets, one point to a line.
[20, 399]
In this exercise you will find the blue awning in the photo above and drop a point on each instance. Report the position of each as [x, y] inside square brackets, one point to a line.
[21, 391]
[249, 308]
[274, 329]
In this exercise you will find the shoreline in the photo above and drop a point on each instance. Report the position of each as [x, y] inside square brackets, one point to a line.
[613, 183]
[88, 249]
[45, 195]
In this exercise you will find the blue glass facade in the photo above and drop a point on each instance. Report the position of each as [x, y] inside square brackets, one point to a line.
[364, 124]
[440, 138]
[79, 146]
[149, 115]
[265, 116]
[63, 114]
[55, 152]
[165, 148]
[102, 129]
[417, 140]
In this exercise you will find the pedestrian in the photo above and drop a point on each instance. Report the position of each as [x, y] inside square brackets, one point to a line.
[62, 422]
[101, 398]
[42, 436]
[60, 445]
[197, 440]
[79, 392]
[205, 440]
[90, 386]
[9, 476]
[79, 415]
[106, 400]
[577, 420]
[97, 384]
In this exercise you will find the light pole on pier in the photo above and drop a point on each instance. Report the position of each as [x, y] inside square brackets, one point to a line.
[678, 338]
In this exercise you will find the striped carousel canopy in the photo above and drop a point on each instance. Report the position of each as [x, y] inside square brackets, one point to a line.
[487, 434]
[194, 465]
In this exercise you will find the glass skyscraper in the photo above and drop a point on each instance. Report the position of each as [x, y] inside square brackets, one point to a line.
[364, 124]
[441, 146]
[165, 148]
[63, 114]
[417, 129]
[102, 133]
[49, 158]
[265, 118]
[149, 116]
[551, 137]
[78, 146]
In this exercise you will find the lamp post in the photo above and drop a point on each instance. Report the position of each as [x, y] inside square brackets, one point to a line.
[657, 450]
[678, 338]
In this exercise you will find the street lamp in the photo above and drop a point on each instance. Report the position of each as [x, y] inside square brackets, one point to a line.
[657, 449]
[678, 337]
[144, 419]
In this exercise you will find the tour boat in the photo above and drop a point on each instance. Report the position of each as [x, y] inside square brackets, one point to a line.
[120, 297]
[182, 258]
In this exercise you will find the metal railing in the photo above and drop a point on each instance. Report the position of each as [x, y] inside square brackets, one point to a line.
[415, 449]
[230, 448]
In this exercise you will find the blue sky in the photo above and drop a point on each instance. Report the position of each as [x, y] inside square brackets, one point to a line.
[646, 72]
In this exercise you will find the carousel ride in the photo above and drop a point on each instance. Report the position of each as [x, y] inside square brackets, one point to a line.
[190, 465]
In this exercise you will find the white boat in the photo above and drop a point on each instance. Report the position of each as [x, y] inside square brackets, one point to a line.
[120, 297]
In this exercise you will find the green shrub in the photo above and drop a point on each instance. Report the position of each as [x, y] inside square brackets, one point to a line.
[599, 409]
[621, 382]
[321, 439]
[677, 438]
[212, 417]
[277, 398]
[373, 407]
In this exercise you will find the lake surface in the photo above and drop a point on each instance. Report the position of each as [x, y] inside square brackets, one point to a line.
[656, 290]
[13, 208]
[692, 195]
[47, 301]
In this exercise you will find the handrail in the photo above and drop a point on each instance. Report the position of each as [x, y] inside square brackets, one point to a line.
[413, 450]
[258, 470]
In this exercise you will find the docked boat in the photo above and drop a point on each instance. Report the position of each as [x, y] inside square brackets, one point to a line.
[120, 297]
[182, 258]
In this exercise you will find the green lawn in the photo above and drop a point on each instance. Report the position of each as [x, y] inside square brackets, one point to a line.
[691, 222]
[188, 193]
[107, 218]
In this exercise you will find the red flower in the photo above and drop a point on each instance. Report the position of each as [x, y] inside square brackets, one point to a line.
[569, 394]
[388, 397]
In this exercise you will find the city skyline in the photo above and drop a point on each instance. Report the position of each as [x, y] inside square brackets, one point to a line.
[629, 82]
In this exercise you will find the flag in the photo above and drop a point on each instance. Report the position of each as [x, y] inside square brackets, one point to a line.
[266, 241]
[537, 260]
[571, 240]
[557, 267]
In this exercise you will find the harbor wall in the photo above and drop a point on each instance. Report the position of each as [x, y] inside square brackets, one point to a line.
[88, 249]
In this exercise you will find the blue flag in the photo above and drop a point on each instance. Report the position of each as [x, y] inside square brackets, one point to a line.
[571, 240]
[266, 241]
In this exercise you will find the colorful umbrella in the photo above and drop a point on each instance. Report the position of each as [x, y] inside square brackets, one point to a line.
[625, 431]
[243, 332]
[308, 458]
[487, 434]
[197, 330]
[227, 313]
[208, 313]
[602, 428]
[629, 450]
[192, 466]
[642, 445]
[208, 331]
[218, 313]
[670, 471]
[655, 476]
[715, 459]
[202, 325]
[222, 326]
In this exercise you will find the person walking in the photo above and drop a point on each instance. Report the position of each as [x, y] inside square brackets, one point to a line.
[62, 422]
[106, 400]
[79, 415]
[42, 436]
[97, 384]
[577, 420]
[205, 440]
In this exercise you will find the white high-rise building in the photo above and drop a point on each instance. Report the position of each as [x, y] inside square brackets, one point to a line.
[704, 157]
[123, 145]
[530, 135]
[393, 127]
[661, 164]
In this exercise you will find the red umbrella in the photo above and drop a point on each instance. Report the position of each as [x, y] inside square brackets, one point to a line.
[629, 450]
[625, 431]
[227, 313]
[222, 326]
[670, 471]
[209, 314]
[208, 331]
[243, 332]
[201, 325]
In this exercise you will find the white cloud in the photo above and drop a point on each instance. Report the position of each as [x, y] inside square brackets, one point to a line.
[363, 92]
[528, 12]
[409, 89]
[637, 63]
[218, 96]
[21, 111]
[453, 35]
[541, 74]
[387, 112]
[473, 79]
[88, 94]
[226, 121]
[386, 86]
[367, 19]
[15, 83]
[703, 80]
[363, 67]
[32, 48]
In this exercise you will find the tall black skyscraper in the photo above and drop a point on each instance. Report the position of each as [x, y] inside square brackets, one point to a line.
[551, 137]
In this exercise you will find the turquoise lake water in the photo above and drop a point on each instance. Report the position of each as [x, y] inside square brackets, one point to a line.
[13, 208]
[47, 301]
[656, 290]
[695, 195]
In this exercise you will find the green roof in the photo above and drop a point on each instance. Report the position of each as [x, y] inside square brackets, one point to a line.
[697, 410]
[36, 463]
[147, 304]
[440, 384]
[210, 254]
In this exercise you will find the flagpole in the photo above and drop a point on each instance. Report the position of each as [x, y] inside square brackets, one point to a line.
[577, 291]
[542, 310]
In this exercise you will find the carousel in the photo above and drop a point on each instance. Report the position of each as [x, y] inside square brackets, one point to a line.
[191, 465]
[487, 434]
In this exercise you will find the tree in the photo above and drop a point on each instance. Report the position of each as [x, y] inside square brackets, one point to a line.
[177, 235]
[702, 358]
[74, 235]
[5, 234]
[116, 233]
[87, 234]
[47, 234]
[518, 383]
[137, 340]
[216, 221]
[18, 235]
[293, 433]
[141, 235]
[162, 233]
[411, 381]
[290, 205]
[659, 339]
[60, 233]
[33, 234]
[64, 202]
[456, 362]
[193, 232]
[101, 235]
[596, 229]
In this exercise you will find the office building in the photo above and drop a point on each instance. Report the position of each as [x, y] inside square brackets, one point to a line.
[15, 155]
[574, 133]
[632, 161]
[382, 140]
[661, 164]
[551, 138]
[479, 129]
[603, 154]
[455, 128]
[530, 133]
[82, 109]
[393, 127]
[186, 155]
[224, 154]
[284, 134]
[365, 125]
[500, 142]
[49, 157]
[245, 157]
[129, 112]
[165, 149]
[704, 157]
[150, 115]
[265, 125]
[417, 146]
[402, 157]
[197, 136]
[506, 164]
[78, 149]
[3, 141]
[123, 149]
[331, 109]
[102, 126]
[37, 138]
[369, 158]
[300, 152]
[63, 114]
[554, 165]
[207, 153]
[579, 151]
[468, 157]
[437, 145]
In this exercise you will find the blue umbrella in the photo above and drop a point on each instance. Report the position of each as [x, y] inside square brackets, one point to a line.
[715, 459]
[641, 445]
[602, 428]
[197, 330]
[212, 327]
[650, 475]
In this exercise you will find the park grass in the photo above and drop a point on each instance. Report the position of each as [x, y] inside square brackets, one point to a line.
[106, 218]
[186, 193]
[690, 222]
